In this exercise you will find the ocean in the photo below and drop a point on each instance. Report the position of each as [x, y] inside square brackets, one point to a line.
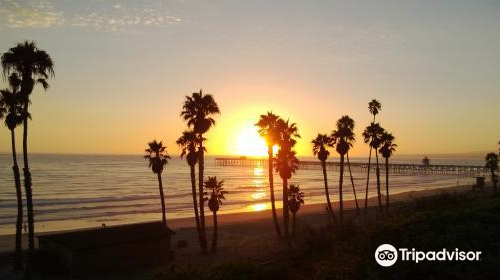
[73, 191]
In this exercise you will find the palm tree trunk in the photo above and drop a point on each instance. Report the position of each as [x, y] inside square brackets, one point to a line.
[352, 182]
[201, 167]
[368, 180]
[387, 184]
[379, 194]
[214, 238]
[271, 191]
[294, 220]
[18, 260]
[327, 191]
[494, 180]
[195, 203]
[341, 182]
[29, 195]
[162, 198]
[286, 216]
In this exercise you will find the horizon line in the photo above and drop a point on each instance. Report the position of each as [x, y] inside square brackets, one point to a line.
[236, 155]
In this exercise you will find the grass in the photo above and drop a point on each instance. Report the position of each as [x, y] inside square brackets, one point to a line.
[463, 221]
[469, 222]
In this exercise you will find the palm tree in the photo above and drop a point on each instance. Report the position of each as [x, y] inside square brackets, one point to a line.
[377, 143]
[33, 66]
[372, 135]
[348, 123]
[320, 148]
[286, 163]
[11, 109]
[216, 196]
[197, 111]
[295, 199]
[344, 138]
[188, 143]
[268, 129]
[387, 149]
[158, 157]
[492, 165]
[374, 107]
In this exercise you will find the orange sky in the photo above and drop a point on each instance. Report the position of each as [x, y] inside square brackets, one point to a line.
[121, 83]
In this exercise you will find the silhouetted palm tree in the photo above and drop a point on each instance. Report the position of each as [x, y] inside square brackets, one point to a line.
[372, 135]
[216, 196]
[387, 149]
[11, 109]
[348, 123]
[188, 142]
[492, 165]
[344, 139]
[320, 148]
[33, 66]
[352, 182]
[268, 129]
[374, 107]
[158, 157]
[295, 199]
[377, 170]
[286, 163]
[197, 111]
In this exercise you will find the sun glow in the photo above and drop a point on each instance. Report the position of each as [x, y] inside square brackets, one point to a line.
[249, 143]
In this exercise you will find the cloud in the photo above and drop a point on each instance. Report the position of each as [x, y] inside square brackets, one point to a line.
[30, 14]
[96, 15]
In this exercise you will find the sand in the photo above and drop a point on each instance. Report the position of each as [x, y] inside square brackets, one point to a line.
[244, 230]
[246, 236]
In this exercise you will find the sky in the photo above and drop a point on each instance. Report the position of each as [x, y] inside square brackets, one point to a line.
[123, 69]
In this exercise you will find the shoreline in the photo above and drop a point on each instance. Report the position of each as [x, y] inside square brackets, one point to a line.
[176, 217]
[260, 221]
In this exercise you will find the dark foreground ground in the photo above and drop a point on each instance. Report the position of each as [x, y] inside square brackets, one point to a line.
[467, 221]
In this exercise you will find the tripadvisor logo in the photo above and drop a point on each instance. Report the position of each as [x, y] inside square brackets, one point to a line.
[387, 255]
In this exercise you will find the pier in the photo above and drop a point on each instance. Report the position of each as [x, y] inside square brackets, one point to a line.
[395, 168]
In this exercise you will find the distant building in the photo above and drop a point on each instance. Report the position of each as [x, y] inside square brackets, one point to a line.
[109, 248]
[426, 162]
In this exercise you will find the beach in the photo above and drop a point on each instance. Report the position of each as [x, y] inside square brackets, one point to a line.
[83, 191]
[240, 230]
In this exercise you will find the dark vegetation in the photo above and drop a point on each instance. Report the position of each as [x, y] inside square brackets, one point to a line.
[469, 222]
[449, 221]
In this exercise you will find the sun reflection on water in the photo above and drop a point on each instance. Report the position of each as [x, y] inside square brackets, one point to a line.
[257, 183]
[259, 193]
[258, 171]
[258, 207]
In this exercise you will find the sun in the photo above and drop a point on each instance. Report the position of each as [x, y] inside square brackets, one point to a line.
[249, 143]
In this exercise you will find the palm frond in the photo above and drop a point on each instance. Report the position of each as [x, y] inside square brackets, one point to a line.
[27, 58]
[374, 107]
[157, 156]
